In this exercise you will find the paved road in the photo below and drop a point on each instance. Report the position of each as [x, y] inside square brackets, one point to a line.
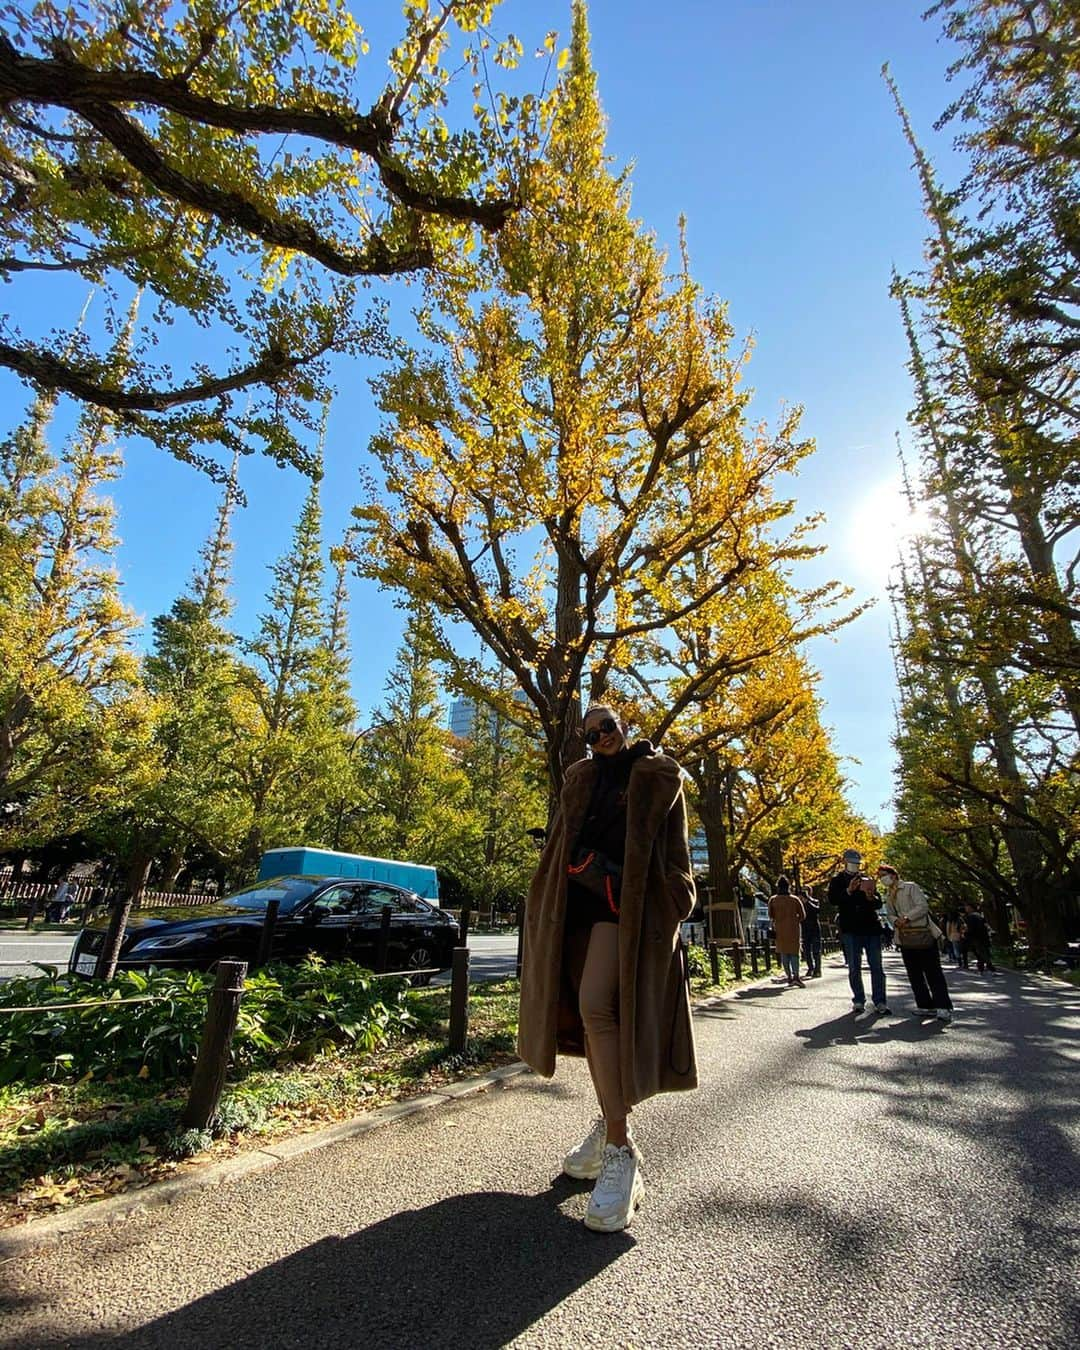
[833, 1183]
[491, 957]
[17, 948]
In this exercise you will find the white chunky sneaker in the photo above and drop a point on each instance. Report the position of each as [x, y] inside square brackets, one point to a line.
[618, 1191]
[585, 1161]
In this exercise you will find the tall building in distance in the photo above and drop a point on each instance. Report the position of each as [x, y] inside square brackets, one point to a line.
[463, 712]
[462, 717]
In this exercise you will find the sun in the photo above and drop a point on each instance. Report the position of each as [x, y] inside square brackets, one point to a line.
[884, 523]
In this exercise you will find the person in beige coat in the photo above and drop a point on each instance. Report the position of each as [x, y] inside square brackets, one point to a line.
[918, 936]
[603, 971]
[787, 912]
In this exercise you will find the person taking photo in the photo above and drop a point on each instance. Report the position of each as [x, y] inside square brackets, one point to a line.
[857, 904]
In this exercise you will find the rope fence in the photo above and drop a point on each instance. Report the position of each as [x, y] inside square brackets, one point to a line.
[164, 998]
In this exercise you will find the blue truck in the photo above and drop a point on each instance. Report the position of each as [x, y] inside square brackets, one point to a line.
[324, 862]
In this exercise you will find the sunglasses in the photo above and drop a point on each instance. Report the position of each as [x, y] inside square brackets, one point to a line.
[604, 728]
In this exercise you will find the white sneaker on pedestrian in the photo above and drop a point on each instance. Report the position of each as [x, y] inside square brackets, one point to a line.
[618, 1191]
[584, 1162]
[858, 1008]
[944, 1014]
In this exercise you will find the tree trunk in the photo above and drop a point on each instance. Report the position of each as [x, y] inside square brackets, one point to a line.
[561, 681]
[171, 869]
[722, 916]
[129, 896]
[1054, 921]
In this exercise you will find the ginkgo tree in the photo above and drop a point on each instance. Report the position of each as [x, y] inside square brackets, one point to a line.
[535, 446]
[74, 722]
[254, 168]
[723, 689]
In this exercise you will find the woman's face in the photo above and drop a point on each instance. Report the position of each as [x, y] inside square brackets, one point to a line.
[604, 733]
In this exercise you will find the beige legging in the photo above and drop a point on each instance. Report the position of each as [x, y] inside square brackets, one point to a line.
[598, 1002]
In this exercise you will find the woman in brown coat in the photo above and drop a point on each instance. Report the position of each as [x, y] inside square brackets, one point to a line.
[603, 973]
[787, 912]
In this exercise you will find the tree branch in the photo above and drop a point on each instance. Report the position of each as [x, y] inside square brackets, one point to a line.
[64, 83]
[48, 371]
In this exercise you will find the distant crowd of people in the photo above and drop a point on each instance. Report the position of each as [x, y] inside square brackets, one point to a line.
[873, 914]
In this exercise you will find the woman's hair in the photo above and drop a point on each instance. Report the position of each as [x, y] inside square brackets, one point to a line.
[783, 886]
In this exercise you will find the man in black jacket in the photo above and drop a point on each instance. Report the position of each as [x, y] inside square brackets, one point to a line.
[855, 898]
[977, 937]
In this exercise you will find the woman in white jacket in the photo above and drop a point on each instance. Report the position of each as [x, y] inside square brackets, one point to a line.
[917, 936]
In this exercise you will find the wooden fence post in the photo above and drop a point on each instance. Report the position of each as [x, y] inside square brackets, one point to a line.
[736, 959]
[212, 1065]
[31, 914]
[753, 958]
[768, 957]
[714, 962]
[459, 1001]
[463, 925]
[266, 935]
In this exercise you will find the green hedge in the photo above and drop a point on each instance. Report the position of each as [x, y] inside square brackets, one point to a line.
[287, 1013]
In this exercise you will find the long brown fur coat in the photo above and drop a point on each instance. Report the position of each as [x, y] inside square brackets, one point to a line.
[655, 1028]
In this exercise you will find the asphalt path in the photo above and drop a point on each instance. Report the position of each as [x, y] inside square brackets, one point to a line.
[833, 1182]
[491, 956]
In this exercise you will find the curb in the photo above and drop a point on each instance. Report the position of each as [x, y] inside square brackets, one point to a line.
[100, 1213]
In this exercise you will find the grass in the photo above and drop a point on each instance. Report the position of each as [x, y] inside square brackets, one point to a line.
[1019, 958]
[65, 1143]
[39, 926]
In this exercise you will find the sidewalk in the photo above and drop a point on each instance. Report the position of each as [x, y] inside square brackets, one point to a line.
[833, 1183]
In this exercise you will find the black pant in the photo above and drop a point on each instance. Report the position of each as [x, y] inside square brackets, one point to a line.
[811, 948]
[923, 965]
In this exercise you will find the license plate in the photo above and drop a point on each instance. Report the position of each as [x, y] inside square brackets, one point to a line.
[85, 965]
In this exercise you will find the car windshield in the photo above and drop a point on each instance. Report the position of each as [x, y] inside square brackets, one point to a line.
[288, 891]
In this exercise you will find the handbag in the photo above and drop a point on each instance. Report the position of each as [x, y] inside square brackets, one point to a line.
[919, 938]
[597, 873]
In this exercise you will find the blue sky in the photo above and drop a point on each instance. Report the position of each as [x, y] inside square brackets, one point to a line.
[767, 123]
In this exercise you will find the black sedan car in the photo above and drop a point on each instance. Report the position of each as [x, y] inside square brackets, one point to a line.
[333, 916]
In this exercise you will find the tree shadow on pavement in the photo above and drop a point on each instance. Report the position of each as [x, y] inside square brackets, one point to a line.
[473, 1270]
[997, 1092]
[789, 1223]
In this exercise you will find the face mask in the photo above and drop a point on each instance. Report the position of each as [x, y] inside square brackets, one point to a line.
[851, 867]
[886, 883]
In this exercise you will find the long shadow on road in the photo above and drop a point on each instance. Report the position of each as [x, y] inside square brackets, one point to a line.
[846, 1030]
[472, 1270]
[996, 1094]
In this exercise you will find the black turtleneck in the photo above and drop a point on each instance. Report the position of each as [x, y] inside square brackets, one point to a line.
[604, 828]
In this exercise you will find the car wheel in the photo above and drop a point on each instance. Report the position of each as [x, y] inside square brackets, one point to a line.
[420, 958]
